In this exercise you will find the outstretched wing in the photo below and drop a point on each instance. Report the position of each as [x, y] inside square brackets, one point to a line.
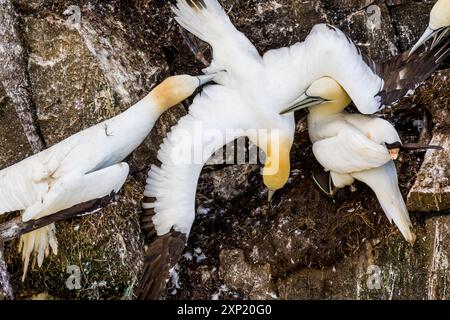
[212, 122]
[403, 73]
[169, 203]
[207, 20]
[350, 151]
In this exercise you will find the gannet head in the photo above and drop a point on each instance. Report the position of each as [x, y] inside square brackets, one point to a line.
[438, 27]
[322, 91]
[277, 168]
[175, 89]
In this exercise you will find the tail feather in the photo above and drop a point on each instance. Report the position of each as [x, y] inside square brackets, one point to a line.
[384, 182]
[161, 256]
[38, 242]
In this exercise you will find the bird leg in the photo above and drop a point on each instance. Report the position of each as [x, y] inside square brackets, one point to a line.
[194, 44]
[325, 183]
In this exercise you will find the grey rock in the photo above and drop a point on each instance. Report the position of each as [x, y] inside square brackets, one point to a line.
[431, 190]
[410, 19]
[253, 280]
[14, 145]
[231, 181]
[382, 270]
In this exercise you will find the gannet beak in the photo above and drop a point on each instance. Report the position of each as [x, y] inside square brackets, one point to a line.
[270, 194]
[205, 79]
[429, 32]
[304, 101]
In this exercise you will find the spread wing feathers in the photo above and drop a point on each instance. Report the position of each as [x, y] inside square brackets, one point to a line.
[207, 20]
[171, 187]
[402, 74]
[350, 151]
[161, 256]
[169, 203]
[384, 182]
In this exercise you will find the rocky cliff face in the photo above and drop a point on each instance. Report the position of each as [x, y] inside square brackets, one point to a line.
[88, 65]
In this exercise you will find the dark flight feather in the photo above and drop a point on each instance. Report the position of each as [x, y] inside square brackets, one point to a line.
[161, 256]
[403, 73]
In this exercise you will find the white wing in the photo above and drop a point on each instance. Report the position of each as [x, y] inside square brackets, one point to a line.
[171, 187]
[350, 151]
[18, 188]
[27, 182]
[207, 20]
[326, 52]
[37, 187]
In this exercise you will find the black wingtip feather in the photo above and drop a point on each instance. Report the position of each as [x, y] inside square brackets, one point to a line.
[406, 72]
[161, 256]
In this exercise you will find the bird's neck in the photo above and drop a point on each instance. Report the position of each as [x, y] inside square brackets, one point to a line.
[328, 109]
[148, 106]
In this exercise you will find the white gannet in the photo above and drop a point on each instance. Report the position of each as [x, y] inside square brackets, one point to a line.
[85, 166]
[355, 146]
[438, 27]
[251, 92]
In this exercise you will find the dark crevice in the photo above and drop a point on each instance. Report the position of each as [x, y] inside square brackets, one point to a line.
[394, 26]
[26, 54]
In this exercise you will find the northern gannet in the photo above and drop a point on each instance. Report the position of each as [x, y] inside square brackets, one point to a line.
[250, 93]
[355, 146]
[85, 166]
[438, 26]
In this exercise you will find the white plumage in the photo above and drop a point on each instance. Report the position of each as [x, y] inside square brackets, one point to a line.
[174, 184]
[252, 91]
[356, 140]
[354, 146]
[83, 167]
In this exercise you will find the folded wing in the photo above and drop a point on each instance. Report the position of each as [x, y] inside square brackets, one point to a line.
[350, 151]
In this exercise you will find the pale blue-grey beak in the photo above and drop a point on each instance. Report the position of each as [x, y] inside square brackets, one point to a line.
[205, 78]
[429, 33]
[304, 101]
[270, 195]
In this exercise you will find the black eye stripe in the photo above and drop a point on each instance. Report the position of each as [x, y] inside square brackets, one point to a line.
[315, 97]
